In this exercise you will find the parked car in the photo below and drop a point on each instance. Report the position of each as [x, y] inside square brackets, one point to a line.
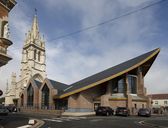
[144, 112]
[123, 111]
[103, 110]
[3, 110]
[11, 108]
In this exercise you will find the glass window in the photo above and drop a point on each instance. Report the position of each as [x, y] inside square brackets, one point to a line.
[118, 86]
[45, 97]
[26, 55]
[30, 95]
[39, 56]
[121, 86]
[132, 81]
[165, 102]
[115, 88]
[35, 54]
[22, 100]
[156, 102]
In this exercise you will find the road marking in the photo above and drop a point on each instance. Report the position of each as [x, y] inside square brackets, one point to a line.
[53, 120]
[96, 120]
[25, 126]
[64, 119]
[141, 122]
[31, 122]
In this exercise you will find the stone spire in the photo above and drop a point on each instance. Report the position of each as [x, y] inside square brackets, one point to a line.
[33, 54]
[33, 35]
[35, 28]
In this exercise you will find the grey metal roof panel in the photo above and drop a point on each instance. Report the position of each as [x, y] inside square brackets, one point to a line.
[108, 72]
[38, 83]
[58, 85]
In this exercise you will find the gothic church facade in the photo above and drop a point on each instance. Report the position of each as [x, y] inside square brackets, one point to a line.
[33, 64]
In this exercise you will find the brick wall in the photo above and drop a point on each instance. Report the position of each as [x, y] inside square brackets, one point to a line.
[41, 111]
[117, 103]
[85, 99]
[3, 12]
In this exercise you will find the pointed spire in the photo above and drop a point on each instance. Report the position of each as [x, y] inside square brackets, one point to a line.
[35, 27]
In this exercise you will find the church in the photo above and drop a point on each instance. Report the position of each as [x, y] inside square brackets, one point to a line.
[32, 64]
[118, 86]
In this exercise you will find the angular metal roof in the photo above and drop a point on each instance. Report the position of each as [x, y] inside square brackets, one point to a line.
[58, 85]
[109, 74]
[38, 83]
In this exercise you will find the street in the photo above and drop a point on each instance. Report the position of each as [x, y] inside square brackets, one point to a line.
[16, 120]
[13, 120]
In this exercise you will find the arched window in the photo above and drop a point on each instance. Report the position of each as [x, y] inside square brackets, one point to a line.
[39, 54]
[26, 55]
[35, 52]
[30, 95]
[132, 81]
[45, 97]
[22, 100]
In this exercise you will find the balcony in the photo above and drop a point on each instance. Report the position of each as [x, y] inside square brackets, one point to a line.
[9, 4]
[4, 44]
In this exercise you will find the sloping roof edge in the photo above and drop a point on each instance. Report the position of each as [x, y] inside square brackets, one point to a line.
[111, 77]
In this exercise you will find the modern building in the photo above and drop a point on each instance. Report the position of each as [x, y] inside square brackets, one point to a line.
[159, 101]
[32, 64]
[121, 85]
[5, 7]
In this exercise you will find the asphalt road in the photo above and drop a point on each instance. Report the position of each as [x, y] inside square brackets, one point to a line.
[51, 121]
[101, 121]
[13, 121]
[95, 122]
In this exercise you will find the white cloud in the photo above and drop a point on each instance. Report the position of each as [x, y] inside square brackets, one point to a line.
[70, 60]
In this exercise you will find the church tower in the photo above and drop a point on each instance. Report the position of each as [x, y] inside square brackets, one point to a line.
[33, 55]
[33, 64]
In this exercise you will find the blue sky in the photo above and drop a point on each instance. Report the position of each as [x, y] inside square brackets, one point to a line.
[75, 57]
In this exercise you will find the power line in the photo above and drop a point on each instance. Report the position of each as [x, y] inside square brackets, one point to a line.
[108, 21]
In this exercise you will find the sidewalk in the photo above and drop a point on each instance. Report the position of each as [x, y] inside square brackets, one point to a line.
[78, 113]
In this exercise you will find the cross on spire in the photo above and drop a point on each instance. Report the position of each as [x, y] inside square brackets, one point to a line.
[35, 10]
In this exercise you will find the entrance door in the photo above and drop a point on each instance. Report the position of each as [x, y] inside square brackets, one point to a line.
[61, 104]
[15, 101]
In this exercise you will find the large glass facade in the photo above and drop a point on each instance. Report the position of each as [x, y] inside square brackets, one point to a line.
[45, 97]
[132, 81]
[121, 85]
[30, 95]
[118, 86]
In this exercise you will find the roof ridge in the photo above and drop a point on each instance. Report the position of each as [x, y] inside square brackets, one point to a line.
[117, 65]
[112, 72]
